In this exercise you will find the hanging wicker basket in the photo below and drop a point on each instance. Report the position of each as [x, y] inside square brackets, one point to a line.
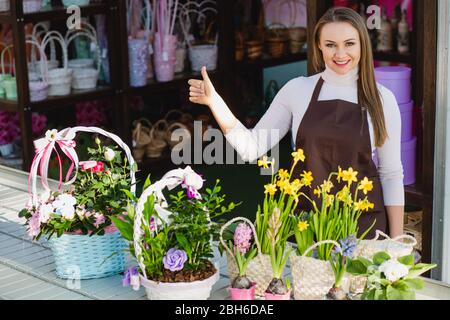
[87, 256]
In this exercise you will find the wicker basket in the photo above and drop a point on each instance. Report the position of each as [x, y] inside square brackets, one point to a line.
[4, 5]
[367, 248]
[156, 146]
[36, 34]
[86, 256]
[8, 82]
[259, 270]
[276, 39]
[68, 3]
[254, 48]
[82, 63]
[85, 77]
[182, 132]
[60, 79]
[141, 138]
[297, 39]
[312, 278]
[39, 88]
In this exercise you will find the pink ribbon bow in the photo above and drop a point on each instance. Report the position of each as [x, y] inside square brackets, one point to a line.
[44, 148]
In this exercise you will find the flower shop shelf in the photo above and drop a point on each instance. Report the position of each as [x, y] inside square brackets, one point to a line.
[8, 105]
[267, 61]
[53, 13]
[74, 97]
[180, 79]
[393, 57]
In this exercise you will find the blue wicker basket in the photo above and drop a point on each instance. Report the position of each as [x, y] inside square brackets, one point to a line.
[88, 257]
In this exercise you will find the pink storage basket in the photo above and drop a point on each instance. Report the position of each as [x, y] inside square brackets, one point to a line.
[406, 112]
[409, 161]
[397, 79]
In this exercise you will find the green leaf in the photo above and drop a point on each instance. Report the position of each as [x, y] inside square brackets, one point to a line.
[147, 182]
[380, 257]
[126, 229]
[357, 267]
[183, 242]
[368, 295]
[417, 284]
[407, 260]
[379, 294]
[395, 294]
[418, 269]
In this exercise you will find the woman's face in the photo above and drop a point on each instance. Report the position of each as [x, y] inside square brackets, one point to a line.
[340, 46]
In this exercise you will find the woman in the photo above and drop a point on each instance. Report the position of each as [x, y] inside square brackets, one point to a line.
[339, 117]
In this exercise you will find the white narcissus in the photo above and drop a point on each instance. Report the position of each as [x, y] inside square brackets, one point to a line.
[393, 270]
[64, 200]
[109, 154]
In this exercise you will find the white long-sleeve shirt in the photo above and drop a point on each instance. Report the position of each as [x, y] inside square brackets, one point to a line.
[290, 104]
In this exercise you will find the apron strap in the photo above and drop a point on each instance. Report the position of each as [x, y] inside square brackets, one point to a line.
[317, 89]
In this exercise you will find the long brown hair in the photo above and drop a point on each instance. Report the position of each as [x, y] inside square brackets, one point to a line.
[368, 94]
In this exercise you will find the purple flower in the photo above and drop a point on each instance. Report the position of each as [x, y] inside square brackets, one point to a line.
[242, 237]
[34, 226]
[192, 193]
[174, 259]
[131, 277]
[348, 246]
[152, 224]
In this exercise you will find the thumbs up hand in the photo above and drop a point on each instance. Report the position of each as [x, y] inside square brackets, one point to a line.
[202, 91]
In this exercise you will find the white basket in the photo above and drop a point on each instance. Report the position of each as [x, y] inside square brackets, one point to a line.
[203, 55]
[31, 5]
[4, 5]
[81, 64]
[60, 79]
[85, 77]
[52, 63]
[196, 290]
[39, 88]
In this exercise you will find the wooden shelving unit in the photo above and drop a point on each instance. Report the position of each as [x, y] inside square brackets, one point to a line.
[423, 62]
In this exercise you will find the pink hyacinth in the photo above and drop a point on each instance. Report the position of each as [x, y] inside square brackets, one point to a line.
[242, 237]
[99, 219]
[34, 226]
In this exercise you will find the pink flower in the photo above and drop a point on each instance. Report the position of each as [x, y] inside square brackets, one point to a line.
[39, 122]
[99, 219]
[34, 226]
[242, 237]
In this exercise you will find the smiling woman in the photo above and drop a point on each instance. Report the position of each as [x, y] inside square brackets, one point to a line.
[340, 116]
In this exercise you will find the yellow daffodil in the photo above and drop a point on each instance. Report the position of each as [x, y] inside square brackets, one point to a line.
[307, 178]
[282, 183]
[289, 189]
[367, 205]
[317, 192]
[297, 184]
[302, 225]
[359, 205]
[264, 162]
[326, 186]
[365, 185]
[283, 174]
[350, 176]
[330, 200]
[270, 189]
[340, 174]
[298, 155]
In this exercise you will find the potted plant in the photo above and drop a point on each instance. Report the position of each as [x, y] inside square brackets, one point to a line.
[78, 220]
[172, 241]
[317, 232]
[244, 251]
[389, 278]
[282, 194]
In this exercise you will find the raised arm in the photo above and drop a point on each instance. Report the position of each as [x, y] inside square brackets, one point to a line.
[250, 144]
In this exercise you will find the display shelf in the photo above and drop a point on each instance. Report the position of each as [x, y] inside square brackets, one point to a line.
[74, 97]
[393, 57]
[179, 80]
[6, 17]
[266, 61]
[8, 105]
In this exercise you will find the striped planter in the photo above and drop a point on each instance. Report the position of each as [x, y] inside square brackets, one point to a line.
[88, 257]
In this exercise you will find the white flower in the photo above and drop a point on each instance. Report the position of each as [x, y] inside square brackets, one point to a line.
[192, 179]
[109, 154]
[51, 135]
[64, 200]
[68, 212]
[45, 196]
[81, 211]
[45, 211]
[393, 270]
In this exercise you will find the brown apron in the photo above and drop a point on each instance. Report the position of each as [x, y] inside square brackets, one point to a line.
[335, 133]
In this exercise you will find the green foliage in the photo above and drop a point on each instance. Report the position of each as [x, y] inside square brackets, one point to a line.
[379, 287]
